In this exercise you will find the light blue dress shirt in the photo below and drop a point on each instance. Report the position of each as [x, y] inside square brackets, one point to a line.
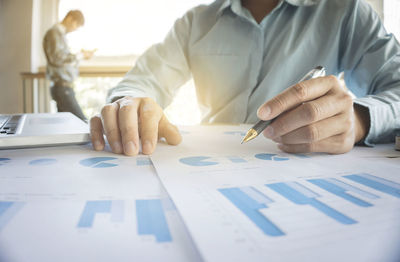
[238, 64]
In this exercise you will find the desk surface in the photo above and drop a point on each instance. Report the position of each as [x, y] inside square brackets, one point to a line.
[75, 204]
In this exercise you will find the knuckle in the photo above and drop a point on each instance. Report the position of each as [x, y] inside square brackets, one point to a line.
[347, 99]
[301, 91]
[280, 128]
[148, 100]
[348, 123]
[312, 133]
[279, 103]
[126, 130]
[125, 108]
[333, 79]
[310, 147]
[111, 131]
[94, 120]
[107, 109]
[312, 112]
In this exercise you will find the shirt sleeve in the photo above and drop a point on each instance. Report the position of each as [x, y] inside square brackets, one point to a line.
[56, 51]
[161, 70]
[371, 62]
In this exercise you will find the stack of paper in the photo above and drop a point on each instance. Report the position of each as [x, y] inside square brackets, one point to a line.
[230, 202]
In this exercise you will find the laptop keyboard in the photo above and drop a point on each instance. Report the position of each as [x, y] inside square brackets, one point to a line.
[9, 124]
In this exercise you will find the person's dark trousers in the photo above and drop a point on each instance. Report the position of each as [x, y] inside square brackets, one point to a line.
[64, 95]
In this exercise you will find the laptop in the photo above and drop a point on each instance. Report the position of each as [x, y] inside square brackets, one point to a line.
[36, 130]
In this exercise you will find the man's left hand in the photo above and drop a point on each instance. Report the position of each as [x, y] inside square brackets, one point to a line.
[316, 115]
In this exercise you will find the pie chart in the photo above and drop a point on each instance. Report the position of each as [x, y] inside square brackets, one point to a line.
[98, 162]
[197, 161]
[43, 162]
[272, 157]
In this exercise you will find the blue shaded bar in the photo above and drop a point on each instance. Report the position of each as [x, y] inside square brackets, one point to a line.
[98, 162]
[272, 157]
[236, 159]
[151, 220]
[301, 195]
[250, 207]
[90, 211]
[197, 161]
[8, 211]
[340, 189]
[377, 183]
[143, 161]
[256, 195]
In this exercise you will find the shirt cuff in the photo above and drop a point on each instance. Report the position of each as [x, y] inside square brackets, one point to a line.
[382, 126]
[119, 92]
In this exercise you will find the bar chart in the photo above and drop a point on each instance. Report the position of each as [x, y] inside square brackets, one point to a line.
[250, 201]
[341, 189]
[301, 195]
[113, 207]
[377, 183]
[151, 219]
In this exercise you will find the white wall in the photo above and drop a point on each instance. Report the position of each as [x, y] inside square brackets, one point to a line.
[15, 51]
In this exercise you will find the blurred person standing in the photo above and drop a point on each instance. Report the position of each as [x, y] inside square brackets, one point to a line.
[62, 65]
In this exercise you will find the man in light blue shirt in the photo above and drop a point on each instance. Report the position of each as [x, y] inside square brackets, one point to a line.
[243, 56]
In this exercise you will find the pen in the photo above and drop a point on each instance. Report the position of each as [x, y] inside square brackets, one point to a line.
[261, 125]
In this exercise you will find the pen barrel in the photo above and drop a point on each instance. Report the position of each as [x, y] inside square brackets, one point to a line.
[261, 125]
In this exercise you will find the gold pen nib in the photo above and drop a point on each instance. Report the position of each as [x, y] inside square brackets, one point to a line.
[251, 134]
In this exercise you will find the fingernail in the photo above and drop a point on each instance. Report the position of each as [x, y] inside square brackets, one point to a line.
[97, 145]
[130, 148]
[269, 132]
[264, 112]
[147, 147]
[117, 147]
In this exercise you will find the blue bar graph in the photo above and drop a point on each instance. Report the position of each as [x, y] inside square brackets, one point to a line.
[301, 195]
[377, 183]
[250, 201]
[143, 161]
[151, 219]
[7, 211]
[340, 189]
[114, 207]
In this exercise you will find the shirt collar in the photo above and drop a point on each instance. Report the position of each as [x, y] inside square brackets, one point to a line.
[226, 3]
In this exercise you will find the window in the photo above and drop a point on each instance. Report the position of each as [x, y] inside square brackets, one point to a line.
[121, 30]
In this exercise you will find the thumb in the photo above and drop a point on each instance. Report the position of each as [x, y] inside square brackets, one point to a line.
[169, 132]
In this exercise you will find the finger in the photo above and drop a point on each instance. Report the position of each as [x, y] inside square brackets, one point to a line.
[338, 144]
[128, 125]
[318, 131]
[149, 116]
[169, 132]
[308, 113]
[96, 133]
[296, 95]
[109, 115]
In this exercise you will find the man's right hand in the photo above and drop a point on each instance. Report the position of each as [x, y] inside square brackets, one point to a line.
[127, 119]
